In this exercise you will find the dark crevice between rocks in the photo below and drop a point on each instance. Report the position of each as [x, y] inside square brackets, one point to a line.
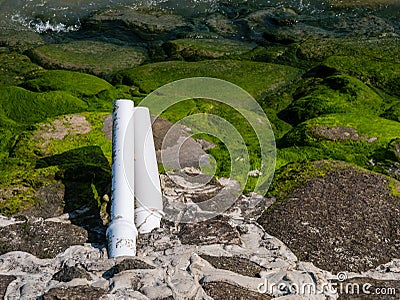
[125, 265]
[238, 265]
[67, 273]
[214, 231]
[81, 292]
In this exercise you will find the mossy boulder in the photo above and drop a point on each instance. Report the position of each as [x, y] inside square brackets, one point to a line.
[14, 68]
[200, 49]
[346, 137]
[92, 57]
[393, 113]
[259, 79]
[382, 48]
[57, 167]
[333, 94]
[347, 214]
[75, 83]
[28, 107]
[147, 24]
[381, 74]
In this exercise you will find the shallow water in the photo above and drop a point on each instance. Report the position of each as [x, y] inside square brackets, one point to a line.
[60, 15]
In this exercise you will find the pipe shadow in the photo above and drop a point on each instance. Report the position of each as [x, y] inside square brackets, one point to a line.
[86, 175]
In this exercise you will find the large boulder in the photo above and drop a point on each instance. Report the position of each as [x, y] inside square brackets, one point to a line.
[147, 24]
[92, 57]
[348, 215]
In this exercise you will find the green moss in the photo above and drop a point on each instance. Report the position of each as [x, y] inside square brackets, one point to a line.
[28, 107]
[259, 79]
[334, 94]
[77, 84]
[93, 57]
[293, 175]
[15, 67]
[367, 138]
[200, 49]
[382, 49]
[393, 113]
[381, 74]
[394, 186]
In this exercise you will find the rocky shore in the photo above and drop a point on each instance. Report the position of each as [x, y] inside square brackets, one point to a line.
[329, 83]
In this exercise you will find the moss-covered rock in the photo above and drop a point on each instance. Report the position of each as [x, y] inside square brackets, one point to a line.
[93, 57]
[346, 137]
[14, 68]
[75, 83]
[334, 94]
[393, 113]
[200, 49]
[382, 48]
[148, 24]
[259, 79]
[381, 74]
[27, 107]
[346, 213]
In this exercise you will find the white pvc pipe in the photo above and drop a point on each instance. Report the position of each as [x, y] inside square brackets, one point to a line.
[149, 207]
[122, 233]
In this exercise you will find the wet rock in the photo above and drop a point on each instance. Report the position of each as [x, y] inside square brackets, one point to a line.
[199, 49]
[226, 291]
[224, 26]
[41, 238]
[76, 293]
[348, 215]
[235, 264]
[213, 231]
[67, 273]
[84, 56]
[19, 39]
[148, 24]
[5, 280]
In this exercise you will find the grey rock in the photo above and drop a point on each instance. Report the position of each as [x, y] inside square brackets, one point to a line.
[41, 238]
[148, 24]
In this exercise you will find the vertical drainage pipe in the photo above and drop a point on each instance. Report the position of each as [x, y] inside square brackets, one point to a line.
[122, 233]
[149, 207]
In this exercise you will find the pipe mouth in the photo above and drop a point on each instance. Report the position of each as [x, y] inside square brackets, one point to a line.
[121, 238]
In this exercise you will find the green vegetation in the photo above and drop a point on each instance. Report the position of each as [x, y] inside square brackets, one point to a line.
[258, 79]
[340, 102]
[201, 49]
[333, 94]
[88, 56]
